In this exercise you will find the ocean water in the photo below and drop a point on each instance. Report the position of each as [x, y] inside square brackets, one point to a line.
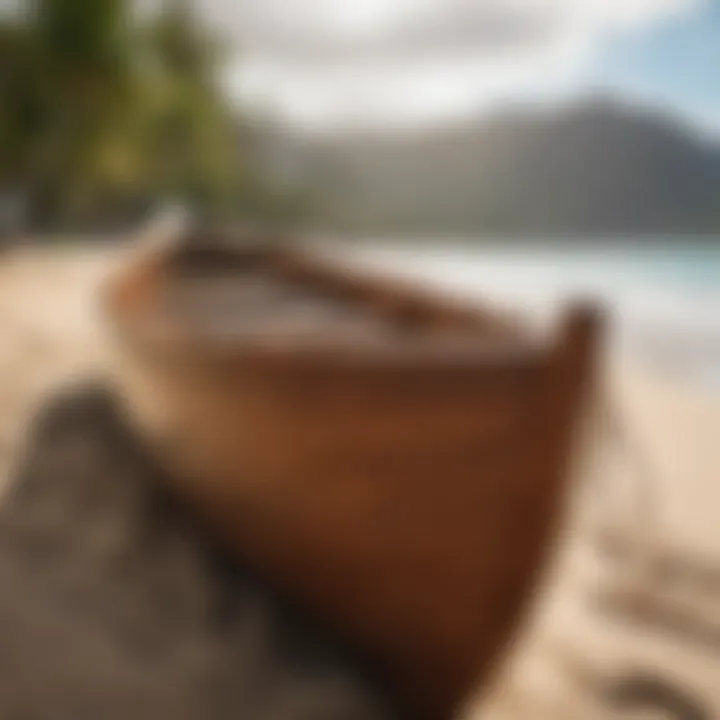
[662, 296]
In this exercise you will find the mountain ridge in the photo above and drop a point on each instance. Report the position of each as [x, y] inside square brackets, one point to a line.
[597, 166]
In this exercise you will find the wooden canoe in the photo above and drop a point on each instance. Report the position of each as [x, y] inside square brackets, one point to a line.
[396, 462]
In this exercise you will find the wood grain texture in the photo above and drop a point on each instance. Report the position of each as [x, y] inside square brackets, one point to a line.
[407, 489]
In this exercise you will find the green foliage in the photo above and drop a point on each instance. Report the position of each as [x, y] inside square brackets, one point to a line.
[100, 110]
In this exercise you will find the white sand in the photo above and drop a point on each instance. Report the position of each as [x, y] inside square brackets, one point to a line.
[48, 332]
[569, 648]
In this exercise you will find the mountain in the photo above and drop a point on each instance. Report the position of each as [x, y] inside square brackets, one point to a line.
[596, 167]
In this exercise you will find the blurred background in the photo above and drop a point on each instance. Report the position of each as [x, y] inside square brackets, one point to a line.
[407, 117]
[421, 127]
[519, 151]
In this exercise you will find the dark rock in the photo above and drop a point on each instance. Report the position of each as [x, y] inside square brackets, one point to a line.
[114, 604]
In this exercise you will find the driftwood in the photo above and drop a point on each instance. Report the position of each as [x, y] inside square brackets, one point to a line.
[403, 479]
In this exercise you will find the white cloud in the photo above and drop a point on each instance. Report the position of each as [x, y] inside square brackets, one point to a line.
[323, 62]
[631, 13]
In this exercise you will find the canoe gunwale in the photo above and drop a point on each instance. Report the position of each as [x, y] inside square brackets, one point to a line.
[482, 338]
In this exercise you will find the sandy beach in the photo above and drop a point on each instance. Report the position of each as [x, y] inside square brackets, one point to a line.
[568, 649]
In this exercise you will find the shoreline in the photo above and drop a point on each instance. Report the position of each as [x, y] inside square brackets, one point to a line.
[51, 334]
[47, 313]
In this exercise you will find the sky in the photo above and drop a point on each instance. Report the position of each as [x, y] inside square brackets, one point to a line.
[324, 64]
[377, 63]
[676, 63]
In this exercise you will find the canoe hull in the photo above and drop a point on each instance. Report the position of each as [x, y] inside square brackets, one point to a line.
[409, 498]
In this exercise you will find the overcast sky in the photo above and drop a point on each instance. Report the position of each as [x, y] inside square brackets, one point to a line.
[363, 62]
[330, 63]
